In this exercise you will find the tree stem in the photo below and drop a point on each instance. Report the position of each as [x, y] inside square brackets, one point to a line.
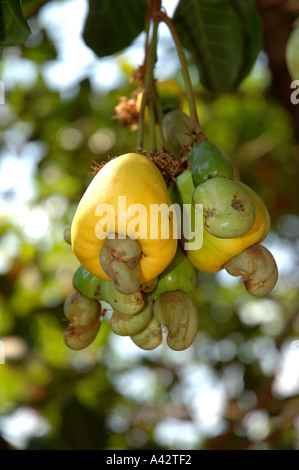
[158, 111]
[152, 128]
[150, 59]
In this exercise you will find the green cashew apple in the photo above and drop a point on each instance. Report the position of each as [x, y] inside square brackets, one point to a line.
[207, 162]
[179, 275]
[86, 283]
[178, 132]
[227, 207]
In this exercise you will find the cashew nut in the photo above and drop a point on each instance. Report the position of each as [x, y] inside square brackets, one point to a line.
[84, 315]
[124, 304]
[176, 311]
[67, 234]
[151, 337]
[258, 268]
[119, 259]
[128, 325]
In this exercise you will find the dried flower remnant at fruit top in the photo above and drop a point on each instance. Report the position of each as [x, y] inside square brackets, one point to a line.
[168, 166]
[127, 112]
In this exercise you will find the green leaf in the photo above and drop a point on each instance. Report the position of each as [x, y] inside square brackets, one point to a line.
[210, 30]
[251, 25]
[111, 25]
[13, 27]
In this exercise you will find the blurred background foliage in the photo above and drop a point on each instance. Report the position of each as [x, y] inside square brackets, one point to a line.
[237, 386]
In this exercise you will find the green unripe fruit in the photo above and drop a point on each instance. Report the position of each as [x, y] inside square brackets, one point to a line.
[227, 208]
[176, 311]
[151, 337]
[208, 162]
[125, 304]
[178, 132]
[128, 325]
[179, 275]
[86, 283]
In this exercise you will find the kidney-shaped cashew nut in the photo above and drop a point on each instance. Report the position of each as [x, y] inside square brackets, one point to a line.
[119, 259]
[149, 338]
[129, 325]
[84, 315]
[178, 313]
[258, 268]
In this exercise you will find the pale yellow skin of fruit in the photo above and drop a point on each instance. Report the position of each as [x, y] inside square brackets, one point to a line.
[136, 177]
[215, 252]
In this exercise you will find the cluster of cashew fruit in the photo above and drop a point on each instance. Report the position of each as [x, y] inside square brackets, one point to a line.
[162, 301]
[145, 280]
[236, 220]
[148, 280]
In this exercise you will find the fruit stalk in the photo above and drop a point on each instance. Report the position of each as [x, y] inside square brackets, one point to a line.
[184, 69]
[150, 59]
